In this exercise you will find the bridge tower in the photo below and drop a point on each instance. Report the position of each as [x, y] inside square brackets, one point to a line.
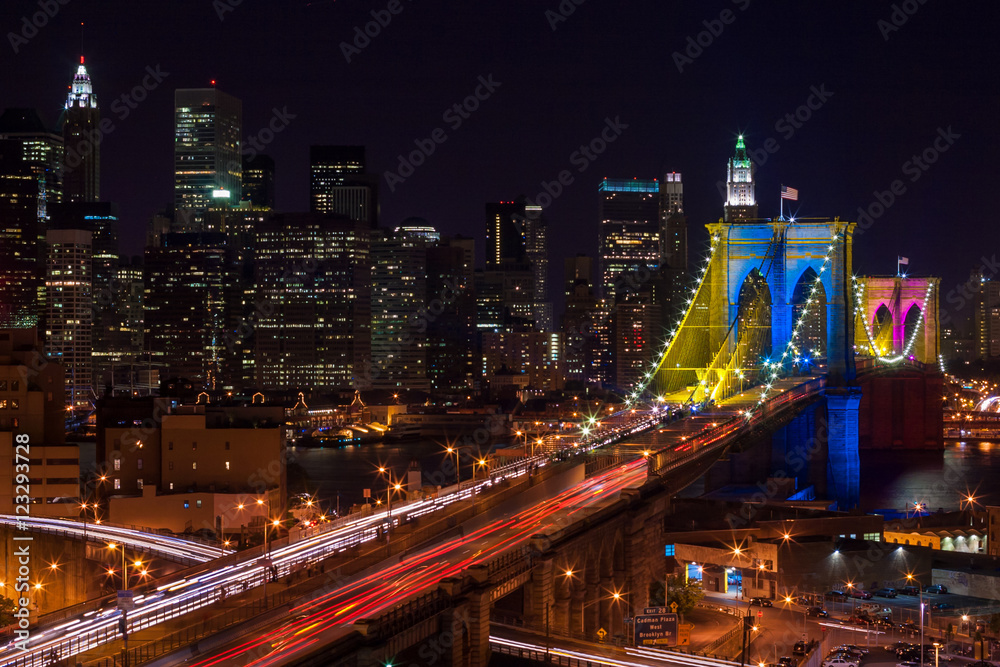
[893, 308]
[784, 252]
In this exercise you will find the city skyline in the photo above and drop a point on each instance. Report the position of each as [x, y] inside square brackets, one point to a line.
[691, 136]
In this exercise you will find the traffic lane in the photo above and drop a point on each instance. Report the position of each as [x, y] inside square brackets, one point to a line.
[414, 575]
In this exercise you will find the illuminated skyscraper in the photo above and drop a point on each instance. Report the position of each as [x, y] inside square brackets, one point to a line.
[208, 165]
[81, 127]
[69, 298]
[340, 185]
[399, 291]
[42, 150]
[741, 203]
[193, 302]
[313, 272]
[22, 267]
[517, 246]
[629, 233]
[100, 220]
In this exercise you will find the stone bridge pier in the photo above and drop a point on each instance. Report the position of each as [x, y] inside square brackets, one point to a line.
[598, 571]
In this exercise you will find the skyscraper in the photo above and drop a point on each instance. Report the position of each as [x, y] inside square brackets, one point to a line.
[208, 165]
[22, 261]
[741, 202]
[582, 315]
[986, 318]
[517, 246]
[100, 220]
[452, 349]
[339, 183]
[193, 300]
[258, 181]
[42, 150]
[312, 320]
[630, 217]
[504, 234]
[671, 280]
[82, 146]
[69, 298]
[399, 292]
[673, 224]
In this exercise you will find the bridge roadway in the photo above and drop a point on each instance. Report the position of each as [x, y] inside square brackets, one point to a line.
[168, 547]
[89, 626]
[329, 617]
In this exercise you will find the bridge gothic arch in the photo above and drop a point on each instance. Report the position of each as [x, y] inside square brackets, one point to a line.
[786, 252]
[908, 306]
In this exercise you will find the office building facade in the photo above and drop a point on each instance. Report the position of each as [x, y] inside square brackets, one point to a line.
[208, 165]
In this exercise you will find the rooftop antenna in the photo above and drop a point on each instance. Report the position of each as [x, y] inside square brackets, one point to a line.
[81, 42]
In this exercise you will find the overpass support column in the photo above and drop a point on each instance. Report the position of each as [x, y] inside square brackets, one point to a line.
[843, 461]
[479, 628]
[538, 593]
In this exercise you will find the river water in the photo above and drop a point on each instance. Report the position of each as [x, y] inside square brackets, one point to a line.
[889, 480]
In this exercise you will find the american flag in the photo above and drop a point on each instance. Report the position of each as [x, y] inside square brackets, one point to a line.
[789, 193]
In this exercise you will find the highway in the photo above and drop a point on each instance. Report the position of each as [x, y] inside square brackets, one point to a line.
[319, 622]
[213, 583]
[166, 546]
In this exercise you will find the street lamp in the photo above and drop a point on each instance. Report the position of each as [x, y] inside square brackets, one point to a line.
[112, 546]
[481, 463]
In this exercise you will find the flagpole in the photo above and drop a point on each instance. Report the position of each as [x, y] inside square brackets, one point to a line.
[782, 200]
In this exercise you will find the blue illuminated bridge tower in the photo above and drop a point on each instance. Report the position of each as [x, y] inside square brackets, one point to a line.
[773, 295]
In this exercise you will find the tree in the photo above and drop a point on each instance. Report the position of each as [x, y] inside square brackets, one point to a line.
[7, 607]
[686, 595]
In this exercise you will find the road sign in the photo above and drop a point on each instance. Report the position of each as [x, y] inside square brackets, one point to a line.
[656, 629]
[125, 601]
[655, 610]
[673, 607]
[684, 634]
[602, 633]
[366, 493]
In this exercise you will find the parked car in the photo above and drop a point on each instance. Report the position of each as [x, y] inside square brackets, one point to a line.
[817, 612]
[840, 661]
[874, 608]
[941, 606]
[853, 648]
[761, 602]
[909, 590]
[936, 588]
[898, 646]
[860, 594]
[886, 592]
[787, 661]
[800, 648]
[835, 595]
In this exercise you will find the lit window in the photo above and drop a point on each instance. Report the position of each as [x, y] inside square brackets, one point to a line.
[118, 464]
[197, 503]
[118, 483]
[187, 505]
[227, 465]
[138, 483]
[194, 465]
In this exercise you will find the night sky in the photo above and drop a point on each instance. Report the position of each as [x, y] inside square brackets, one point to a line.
[890, 92]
